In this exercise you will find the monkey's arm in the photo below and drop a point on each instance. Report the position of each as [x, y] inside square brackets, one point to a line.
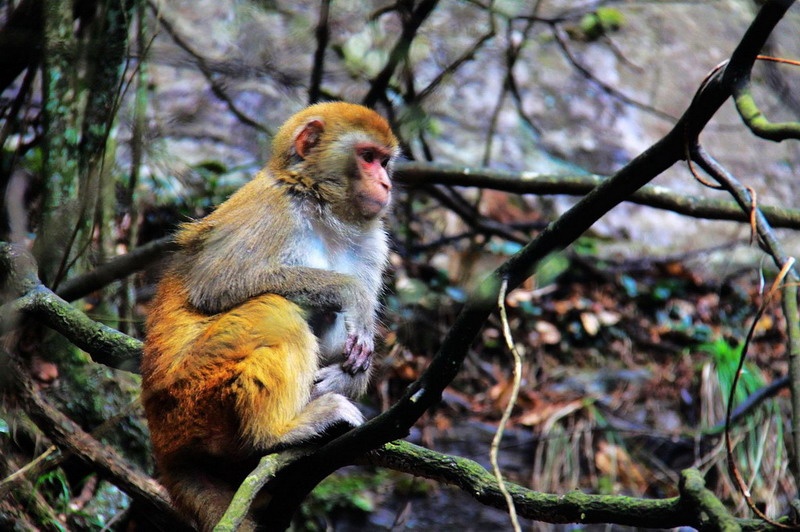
[314, 290]
[311, 288]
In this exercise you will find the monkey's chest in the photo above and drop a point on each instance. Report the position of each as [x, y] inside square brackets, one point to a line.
[326, 255]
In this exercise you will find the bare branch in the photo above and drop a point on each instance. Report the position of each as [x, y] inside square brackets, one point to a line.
[399, 52]
[605, 87]
[202, 64]
[421, 174]
[319, 56]
[116, 268]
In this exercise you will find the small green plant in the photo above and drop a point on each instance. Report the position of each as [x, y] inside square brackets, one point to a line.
[726, 359]
[55, 487]
[341, 493]
[759, 454]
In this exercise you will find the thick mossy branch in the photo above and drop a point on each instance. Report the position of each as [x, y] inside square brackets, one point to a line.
[266, 469]
[105, 345]
[247, 491]
[420, 174]
[757, 122]
[696, 507]
[693, 488]
[574, 507]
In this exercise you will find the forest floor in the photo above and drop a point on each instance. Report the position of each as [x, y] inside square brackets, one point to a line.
[628, 367]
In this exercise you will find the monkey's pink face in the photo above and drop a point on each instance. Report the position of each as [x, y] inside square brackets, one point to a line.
[373, 190]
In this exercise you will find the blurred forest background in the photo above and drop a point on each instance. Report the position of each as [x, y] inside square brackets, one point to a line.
[120, 120]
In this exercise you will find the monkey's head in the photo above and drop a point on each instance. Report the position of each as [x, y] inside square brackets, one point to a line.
[342, 155]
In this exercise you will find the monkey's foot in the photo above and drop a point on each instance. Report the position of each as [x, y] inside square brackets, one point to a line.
[335, 379]
[357, 354]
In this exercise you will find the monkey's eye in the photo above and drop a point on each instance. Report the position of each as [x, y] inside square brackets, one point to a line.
[368, 156]
[385, 162]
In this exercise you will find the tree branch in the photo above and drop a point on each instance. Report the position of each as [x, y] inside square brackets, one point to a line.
[417, 174]
[755, 120]
[202, 64]
[106, 345]
[399, 52]
[117, 268]
[319, 56]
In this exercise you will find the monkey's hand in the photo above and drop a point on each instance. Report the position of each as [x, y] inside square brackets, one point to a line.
[357, 353]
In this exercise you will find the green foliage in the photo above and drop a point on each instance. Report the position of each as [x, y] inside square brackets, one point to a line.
[337, 493]
[95, 394]
[215, 187]
[415, 120]
[56, 488]
[212, 183]
[762, 430]
[586, 245]
[108, 501]
[726, 359]
[603, 21]
[412, 291]
[430, 293]
[411, 486]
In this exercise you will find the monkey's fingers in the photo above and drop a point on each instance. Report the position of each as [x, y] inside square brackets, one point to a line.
[357, 355]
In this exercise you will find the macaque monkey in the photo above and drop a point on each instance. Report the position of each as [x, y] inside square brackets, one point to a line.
[264, 323]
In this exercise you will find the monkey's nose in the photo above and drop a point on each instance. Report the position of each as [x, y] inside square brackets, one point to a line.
[384, 181]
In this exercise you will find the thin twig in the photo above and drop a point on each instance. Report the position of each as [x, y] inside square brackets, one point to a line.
[512, 401]
[463, 58]
[740, 482]
[202, 64]
[605, 87]
[512, 54]
[471, 217]
[323, 33]
[399, 53]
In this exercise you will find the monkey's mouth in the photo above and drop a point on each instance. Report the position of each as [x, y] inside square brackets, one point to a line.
[371, 206]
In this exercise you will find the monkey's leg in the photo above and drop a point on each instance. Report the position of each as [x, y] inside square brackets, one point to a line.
[274, 355]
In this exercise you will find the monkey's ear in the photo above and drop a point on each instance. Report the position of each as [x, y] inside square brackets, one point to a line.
[308, 137]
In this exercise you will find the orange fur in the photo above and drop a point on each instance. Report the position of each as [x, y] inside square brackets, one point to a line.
[217, 386]
[225, 375]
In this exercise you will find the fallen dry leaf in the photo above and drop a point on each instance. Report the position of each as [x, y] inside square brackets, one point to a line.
[614, 461]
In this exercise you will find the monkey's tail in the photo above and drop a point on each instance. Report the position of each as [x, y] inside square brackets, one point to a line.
[201, 497]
